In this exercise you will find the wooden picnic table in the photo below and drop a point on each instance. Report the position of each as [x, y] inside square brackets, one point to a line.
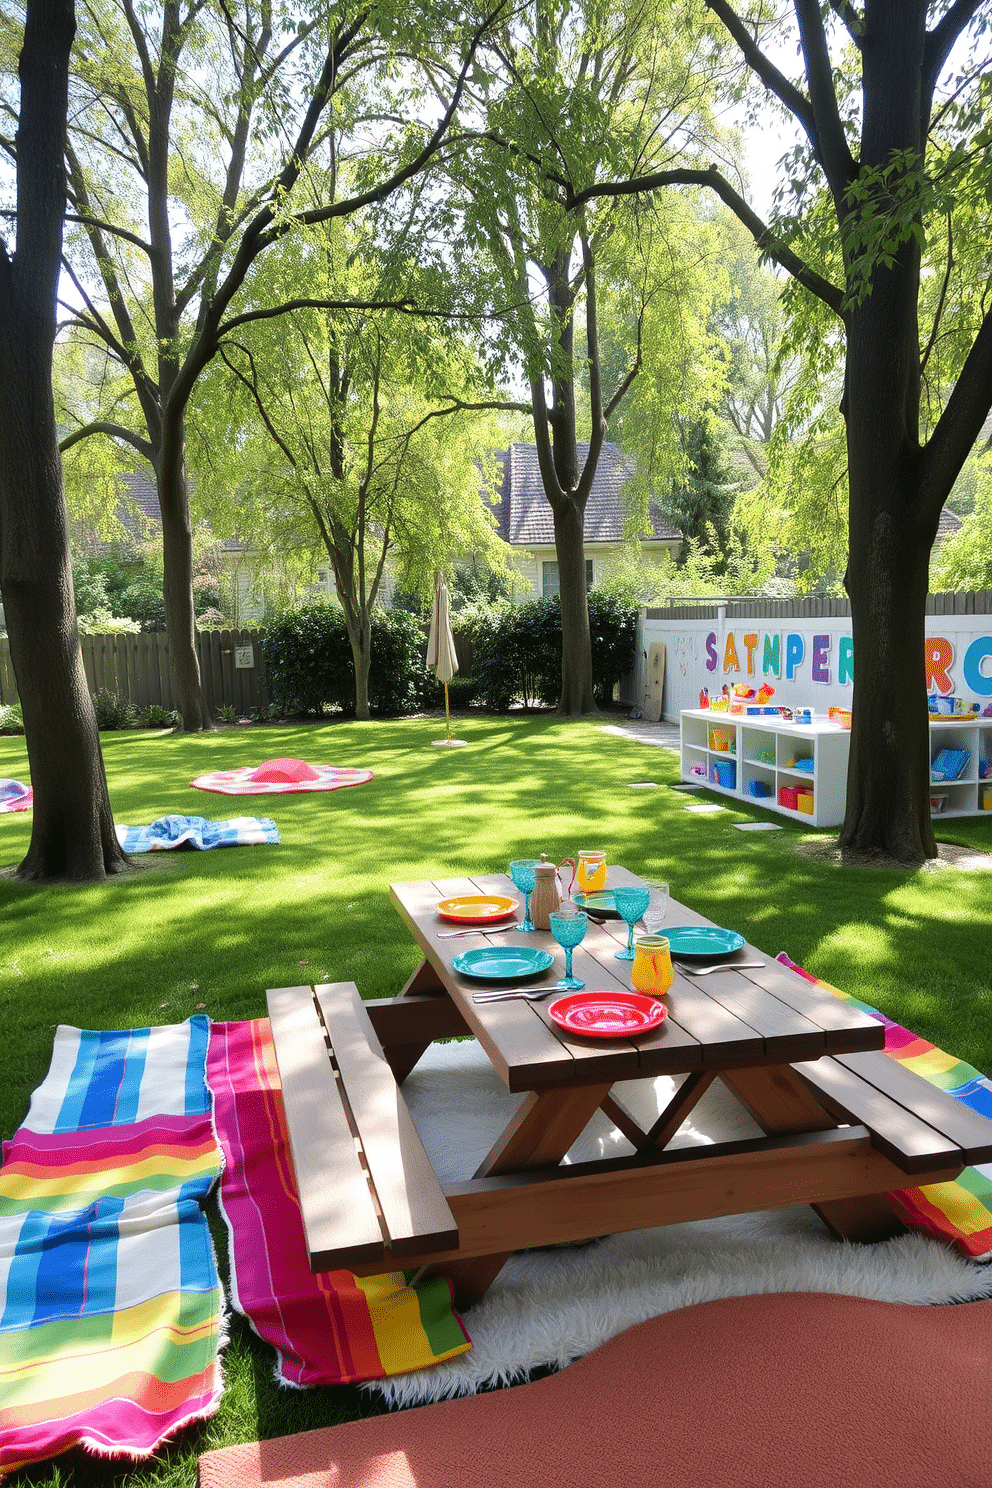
[843, 1123]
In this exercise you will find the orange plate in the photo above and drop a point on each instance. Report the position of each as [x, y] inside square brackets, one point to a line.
[477, 909]
[607, 1014]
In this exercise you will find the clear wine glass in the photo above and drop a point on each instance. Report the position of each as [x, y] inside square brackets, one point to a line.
[630, 902]
[522, 873]
[653, 917]
[568, 930]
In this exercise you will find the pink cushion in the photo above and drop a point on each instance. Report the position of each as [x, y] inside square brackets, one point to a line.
[284, 769]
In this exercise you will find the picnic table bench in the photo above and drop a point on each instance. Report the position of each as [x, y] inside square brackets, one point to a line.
[843, 1123]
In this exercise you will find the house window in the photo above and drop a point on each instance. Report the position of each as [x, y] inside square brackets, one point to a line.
[550, 582]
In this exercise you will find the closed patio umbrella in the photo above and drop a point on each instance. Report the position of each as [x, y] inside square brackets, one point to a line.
[441, 655]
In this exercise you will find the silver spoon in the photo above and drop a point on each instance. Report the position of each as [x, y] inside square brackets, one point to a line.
[531, 993]
[720, 966]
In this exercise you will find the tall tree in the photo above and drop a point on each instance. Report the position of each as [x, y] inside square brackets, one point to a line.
[194, 128]
[355, 429]
[575, 95]
[72, 830]
[898, 141]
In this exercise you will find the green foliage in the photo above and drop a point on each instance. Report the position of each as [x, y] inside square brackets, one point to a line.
[963, 561]
[518, 654]
[701, 501]
[225, 714]
[155, 716]
[308, 656]
[113, 710]
[11, 720]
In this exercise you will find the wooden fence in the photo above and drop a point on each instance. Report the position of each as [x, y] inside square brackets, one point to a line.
[137, 666]
[815, 606]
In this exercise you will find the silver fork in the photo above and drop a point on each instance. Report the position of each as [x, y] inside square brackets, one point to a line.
[479, 930]
[720, 966]
[532, 994]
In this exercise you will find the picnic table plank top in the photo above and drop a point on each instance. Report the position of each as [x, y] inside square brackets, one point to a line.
[730, 1018]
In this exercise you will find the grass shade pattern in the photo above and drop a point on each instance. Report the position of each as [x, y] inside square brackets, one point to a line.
[211, 931]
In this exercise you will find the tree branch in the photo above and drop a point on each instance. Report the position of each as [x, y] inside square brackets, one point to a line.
[960, 423]
[115, 431]
[770, 246]
[775, 81]
[941, 39]
[828, 139]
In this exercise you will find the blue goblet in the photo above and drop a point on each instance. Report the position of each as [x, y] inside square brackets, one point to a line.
[630, 901]
[568, 930]
[522, 873]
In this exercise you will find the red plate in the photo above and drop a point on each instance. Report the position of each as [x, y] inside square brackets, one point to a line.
[607, 1014]
[477, 909]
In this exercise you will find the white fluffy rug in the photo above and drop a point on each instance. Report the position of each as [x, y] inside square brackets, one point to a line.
[548, 1307]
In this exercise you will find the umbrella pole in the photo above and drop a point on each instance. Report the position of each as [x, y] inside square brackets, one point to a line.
[447, 713]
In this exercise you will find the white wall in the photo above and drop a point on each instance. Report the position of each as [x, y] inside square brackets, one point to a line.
[809, 661]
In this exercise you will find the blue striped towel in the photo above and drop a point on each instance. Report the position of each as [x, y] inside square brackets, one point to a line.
[196, 831]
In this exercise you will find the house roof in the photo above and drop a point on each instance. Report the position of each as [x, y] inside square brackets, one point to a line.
[949, 522]
[524, 514]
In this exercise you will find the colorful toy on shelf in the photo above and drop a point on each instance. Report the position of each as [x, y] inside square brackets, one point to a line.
[948, 764]
[704, 697]
[841, 716]
[764, 693]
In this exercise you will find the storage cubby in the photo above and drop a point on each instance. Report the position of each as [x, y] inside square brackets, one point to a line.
[803, 767]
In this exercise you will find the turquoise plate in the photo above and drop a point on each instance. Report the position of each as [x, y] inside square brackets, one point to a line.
[503, 963]
[704, 941]
[601, 903]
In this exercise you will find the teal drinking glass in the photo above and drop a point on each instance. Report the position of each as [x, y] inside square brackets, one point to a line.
[568, 930]
[522, 873]
[630, 901]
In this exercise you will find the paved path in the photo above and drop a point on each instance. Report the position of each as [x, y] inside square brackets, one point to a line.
[664, 735]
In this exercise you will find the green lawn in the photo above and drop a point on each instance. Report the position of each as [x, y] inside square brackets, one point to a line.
[212, 931]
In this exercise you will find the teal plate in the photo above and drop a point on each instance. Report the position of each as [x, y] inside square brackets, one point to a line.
[601, 903]
[503, 963]
[704, 941]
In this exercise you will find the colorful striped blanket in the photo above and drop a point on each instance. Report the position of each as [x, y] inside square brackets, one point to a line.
[112, 1308]
[195, 831]
[331, 1328]
[960, 1211]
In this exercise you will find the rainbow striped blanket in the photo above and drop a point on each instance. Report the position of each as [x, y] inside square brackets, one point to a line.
[111, 1305]
[330, 1328]
[961, 1211]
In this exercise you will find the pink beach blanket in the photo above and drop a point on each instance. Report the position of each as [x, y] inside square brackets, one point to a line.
[328, 1328]
[15, 797]
[280, 776]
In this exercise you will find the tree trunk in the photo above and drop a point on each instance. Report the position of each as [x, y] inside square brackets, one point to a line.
[576, 648]
[888, 813]
[177, 548]
[360, 635]
[72, 835]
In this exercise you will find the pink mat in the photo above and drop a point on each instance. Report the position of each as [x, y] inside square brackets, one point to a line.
[755, 1392]
[14, 796]
[280, 776]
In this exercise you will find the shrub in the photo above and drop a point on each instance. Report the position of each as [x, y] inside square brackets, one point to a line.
[518, 654]
[461, 691]
[112, 709]
[155, 716]
[11, 721]
[226, 714]
[308, 656]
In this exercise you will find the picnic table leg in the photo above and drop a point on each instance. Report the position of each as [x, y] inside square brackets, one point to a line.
[539, 1135]
[402, 1059]
[781, 1104]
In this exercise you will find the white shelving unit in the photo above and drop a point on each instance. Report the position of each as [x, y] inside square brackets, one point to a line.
[765, 748]
[971, 793]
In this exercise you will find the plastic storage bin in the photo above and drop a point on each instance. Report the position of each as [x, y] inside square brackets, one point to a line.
[804, 800]
[762, 788]
[788, 796]
[724, 773]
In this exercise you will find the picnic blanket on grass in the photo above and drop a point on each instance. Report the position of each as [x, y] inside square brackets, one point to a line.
[195, 831]
[14, 796]
[959, 1211]
[111, 1317]
[329, 1328]
[280, 777]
